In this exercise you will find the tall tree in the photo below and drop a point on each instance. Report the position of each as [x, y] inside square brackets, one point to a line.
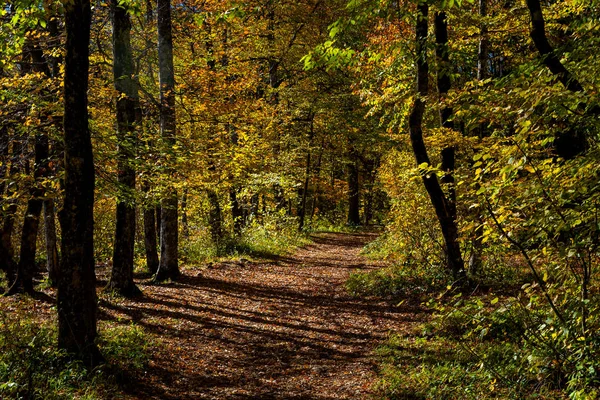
[169, 237]
[77, 301]
[440, 201]
[128, 118]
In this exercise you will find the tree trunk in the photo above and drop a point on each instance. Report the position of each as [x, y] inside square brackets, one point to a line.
[51, 248]
[121, 278]
[475, 260]
[572, 142]
[169, 235]
[353, 193]
[215, 219]
[77, 302]
[482, 52]
[9, 208]
[236, 212]
[304, 198]
[184, 217]
[26, 266]
[440, 203]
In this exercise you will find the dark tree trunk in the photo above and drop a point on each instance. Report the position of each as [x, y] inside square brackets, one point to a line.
[215, 219]
[169, 232]
[353, 193]
[317, 192]
[475, 260]
[443, 85]
[184, 217]
[572, 142]
[8, 209]
[77, 302]
[121, 278]
[236, 212]
[549, 57]
[440, 203]
[51, 247]
[482, 52]
[304, 197]
[8, 224]
[26, 266]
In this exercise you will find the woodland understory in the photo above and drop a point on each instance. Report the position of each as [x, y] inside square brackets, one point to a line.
[344, 199]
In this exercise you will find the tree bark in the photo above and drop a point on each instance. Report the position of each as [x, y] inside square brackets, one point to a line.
[455, 263]
[7, 263]
[26, 266]
[169, 235]
[77, 302]
[572, 142]
[482, 51]
[549, 57]
[304, 198]
[353, 193]
[215, 219]
[121, 278]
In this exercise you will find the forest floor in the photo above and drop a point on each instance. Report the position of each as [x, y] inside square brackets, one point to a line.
[280, 328]
[275, 329]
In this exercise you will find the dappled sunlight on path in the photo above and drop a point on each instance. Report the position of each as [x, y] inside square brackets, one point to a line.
[283, 329]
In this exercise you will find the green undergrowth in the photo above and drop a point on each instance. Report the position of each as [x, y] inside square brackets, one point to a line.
[489, 347]
[269, 237]
[31, 366]
[396, 281]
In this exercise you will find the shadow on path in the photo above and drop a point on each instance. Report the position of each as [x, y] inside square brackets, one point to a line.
[284, 329]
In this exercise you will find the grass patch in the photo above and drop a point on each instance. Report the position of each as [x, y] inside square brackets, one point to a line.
[271, 237]
[397, 281]
[31, 366]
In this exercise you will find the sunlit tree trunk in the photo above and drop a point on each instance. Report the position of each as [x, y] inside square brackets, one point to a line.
[121, 278]
[77, 302]
[169, 236]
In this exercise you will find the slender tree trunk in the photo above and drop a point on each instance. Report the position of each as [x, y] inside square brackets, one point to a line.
[455, 263]
[572, 142]
[10, 210]
[184, 217]
[475, 260]
[26, 266]
[121, 278]
[77, 302]
[317, 173]
[236, 212]
[215, 219]
[482, 52]
[353, 193]
[304, 198]
[169, 231]
[51, 247]
[6, 256]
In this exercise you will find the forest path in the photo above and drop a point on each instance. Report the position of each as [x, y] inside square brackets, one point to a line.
[282, 329]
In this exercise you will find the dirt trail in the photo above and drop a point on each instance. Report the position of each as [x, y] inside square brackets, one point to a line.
[284, 329]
